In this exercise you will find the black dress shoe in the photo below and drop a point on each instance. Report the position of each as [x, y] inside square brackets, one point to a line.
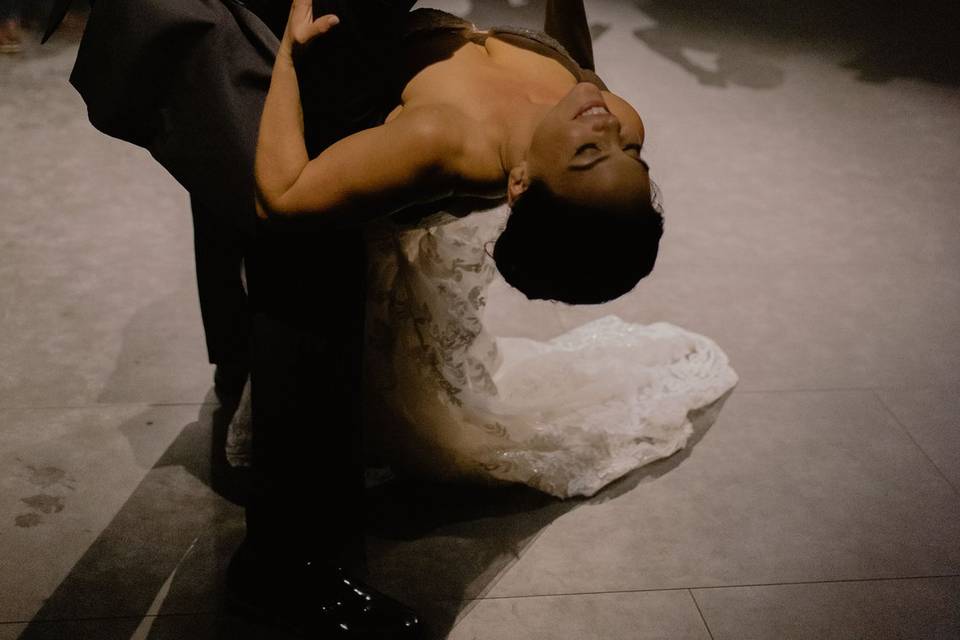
[316, 601]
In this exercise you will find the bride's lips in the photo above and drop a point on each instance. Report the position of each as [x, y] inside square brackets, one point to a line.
[593, 105]
[592, 99]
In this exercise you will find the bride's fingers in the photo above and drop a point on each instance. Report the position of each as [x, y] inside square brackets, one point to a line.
[323, 24]
[301, 11]
[305, 31]
[301, 6]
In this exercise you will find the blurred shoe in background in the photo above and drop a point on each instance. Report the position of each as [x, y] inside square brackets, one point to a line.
[11, 40]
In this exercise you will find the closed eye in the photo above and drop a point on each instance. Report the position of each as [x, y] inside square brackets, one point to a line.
[636, 149]
[585, 147]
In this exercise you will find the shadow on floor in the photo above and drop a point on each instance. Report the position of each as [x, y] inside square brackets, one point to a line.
[170, 511]
[735, 42]
[440, 547]
[156, 359]
[739, 42]
[156, 571]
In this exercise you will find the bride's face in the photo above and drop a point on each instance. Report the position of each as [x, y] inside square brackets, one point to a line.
[587, 150]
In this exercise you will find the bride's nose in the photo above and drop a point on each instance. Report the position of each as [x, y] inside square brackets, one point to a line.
[607, 123]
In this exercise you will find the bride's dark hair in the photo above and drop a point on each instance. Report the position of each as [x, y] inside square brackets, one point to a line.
[553, 250]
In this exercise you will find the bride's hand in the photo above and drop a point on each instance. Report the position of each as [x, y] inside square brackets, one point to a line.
[302, 28]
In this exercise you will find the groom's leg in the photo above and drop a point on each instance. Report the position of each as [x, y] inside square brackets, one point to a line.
[306, 513]
[219, 249]
[308, 292]
[309, 310]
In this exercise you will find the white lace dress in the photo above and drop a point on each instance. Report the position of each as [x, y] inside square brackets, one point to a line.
[447, 399]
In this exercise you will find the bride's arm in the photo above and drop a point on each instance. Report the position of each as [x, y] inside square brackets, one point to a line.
[374, 172]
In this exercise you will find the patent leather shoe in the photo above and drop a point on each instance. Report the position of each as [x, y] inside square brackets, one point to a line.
[316, 601]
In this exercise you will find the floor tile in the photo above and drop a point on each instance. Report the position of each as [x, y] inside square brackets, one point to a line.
[920, 609]
[11, 631]
[97, 258]
[166, 547]
[200, 627]
[811, 231]
[785, 487]
[435, 547]
[661, 615]
[932, 416]
[786, 327]
[802, 175]
[66, 473]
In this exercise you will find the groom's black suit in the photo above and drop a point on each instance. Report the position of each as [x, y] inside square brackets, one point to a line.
[186, 79]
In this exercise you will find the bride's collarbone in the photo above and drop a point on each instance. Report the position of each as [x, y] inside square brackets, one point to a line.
[486, 80]
[471, 141]
[520, 60]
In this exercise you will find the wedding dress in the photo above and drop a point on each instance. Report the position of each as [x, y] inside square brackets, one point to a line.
[448, 399]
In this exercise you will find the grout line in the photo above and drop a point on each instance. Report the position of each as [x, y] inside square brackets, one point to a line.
[914, 441]
[842, 389]
[183, 404]
[739, 391]
[725, 586]
[702, 618]
[104, 405]
[187, 614]
[219, 612]
[836, 581]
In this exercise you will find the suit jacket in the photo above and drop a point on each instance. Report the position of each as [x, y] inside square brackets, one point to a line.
[165, 74]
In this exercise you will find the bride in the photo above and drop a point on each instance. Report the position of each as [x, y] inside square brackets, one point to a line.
[511, 113]
[444, 397]
[448, 399]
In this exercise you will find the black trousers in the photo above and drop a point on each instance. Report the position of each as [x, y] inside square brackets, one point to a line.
[307, 285]
[220, 249]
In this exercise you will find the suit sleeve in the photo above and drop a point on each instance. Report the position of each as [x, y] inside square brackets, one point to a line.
[186, 80]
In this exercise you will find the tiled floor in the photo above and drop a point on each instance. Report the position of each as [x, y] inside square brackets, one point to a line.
[809, 157]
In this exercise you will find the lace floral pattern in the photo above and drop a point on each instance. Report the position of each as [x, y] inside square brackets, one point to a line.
[566, 416]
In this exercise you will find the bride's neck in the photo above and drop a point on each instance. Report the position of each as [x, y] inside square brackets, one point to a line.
[520, 124]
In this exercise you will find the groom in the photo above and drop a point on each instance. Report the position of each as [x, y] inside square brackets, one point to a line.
[165, 74]
[186, 79]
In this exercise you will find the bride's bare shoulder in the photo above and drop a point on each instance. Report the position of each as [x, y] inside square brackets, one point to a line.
[431, 119]
[468, 147]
